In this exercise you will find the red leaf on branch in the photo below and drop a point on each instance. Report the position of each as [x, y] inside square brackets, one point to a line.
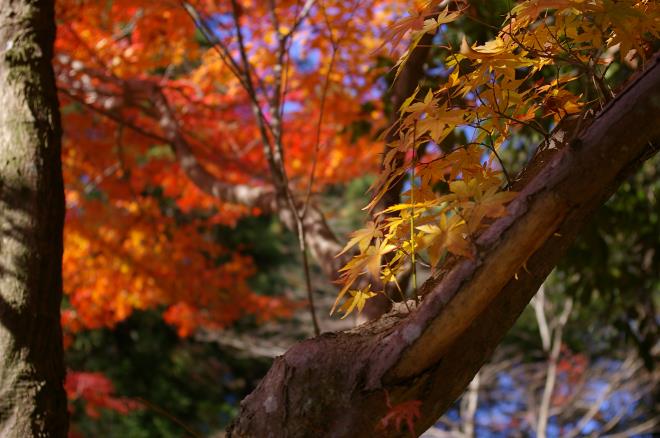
[407, 412]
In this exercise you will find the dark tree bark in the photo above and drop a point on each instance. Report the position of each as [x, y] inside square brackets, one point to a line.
[32, 397]
[335, 385]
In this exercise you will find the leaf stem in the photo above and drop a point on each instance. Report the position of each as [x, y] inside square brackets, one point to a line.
[412, 213]
[403, 297]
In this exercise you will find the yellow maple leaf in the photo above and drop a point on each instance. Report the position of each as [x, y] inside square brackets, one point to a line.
[492, 49]
[368, 262]
[362, 237]
[357, 299]
[490, 204]
[447, 234]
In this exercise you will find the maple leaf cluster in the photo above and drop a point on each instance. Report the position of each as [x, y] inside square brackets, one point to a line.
[518, 80]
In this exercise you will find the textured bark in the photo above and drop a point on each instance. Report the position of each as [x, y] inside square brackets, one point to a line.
[32, 398]
[334, 385]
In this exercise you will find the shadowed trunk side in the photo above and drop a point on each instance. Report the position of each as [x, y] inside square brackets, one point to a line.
[32, 397]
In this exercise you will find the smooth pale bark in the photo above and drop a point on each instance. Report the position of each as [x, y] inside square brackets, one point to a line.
[335, 385]
[32, 398]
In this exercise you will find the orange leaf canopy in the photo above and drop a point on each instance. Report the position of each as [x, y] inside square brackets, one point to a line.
[137, 228]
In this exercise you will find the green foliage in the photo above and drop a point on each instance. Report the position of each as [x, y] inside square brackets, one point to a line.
[613, 267]
[182, 383]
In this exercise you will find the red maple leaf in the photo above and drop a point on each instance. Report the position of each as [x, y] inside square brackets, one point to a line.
[407, 412]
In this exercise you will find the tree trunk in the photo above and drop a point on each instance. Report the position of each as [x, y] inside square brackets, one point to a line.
[336, 384]
[32, 397]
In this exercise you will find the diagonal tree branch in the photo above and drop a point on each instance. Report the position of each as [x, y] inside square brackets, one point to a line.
[433, 353]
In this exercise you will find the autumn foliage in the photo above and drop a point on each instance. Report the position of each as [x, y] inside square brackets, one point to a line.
[520, 79]
[96, 391]
[178, 114]
[138, 230]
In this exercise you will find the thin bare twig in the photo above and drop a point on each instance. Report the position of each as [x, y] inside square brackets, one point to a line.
[551, 376]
